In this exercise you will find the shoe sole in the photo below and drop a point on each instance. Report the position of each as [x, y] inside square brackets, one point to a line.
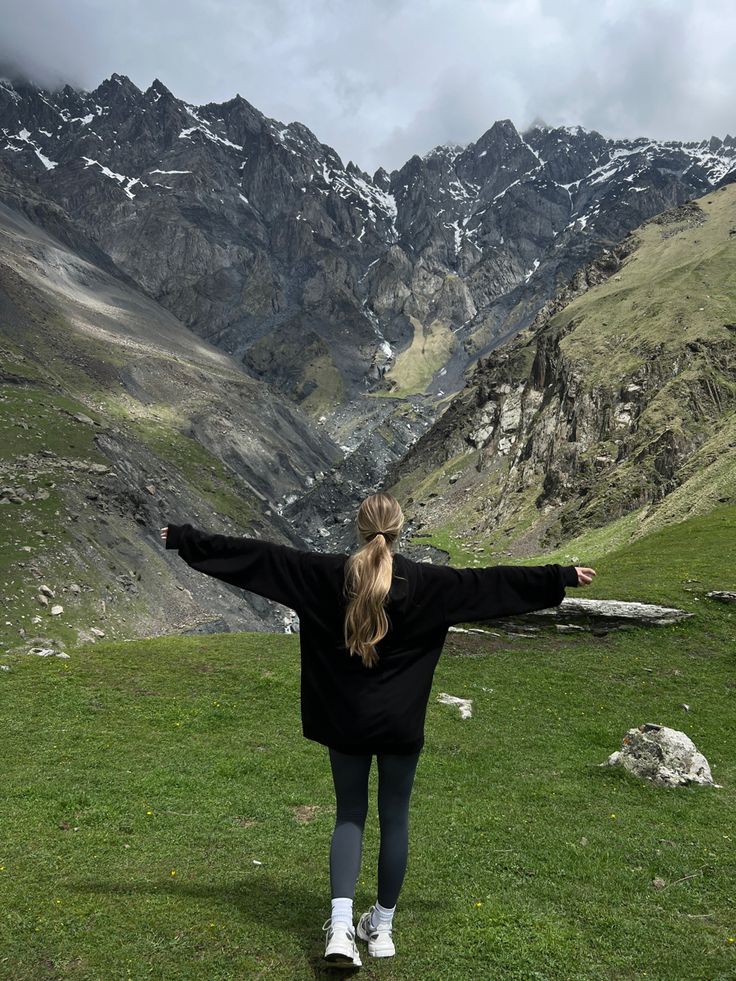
[341, 960]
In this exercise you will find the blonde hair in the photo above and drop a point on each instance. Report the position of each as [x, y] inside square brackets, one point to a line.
[368, 574]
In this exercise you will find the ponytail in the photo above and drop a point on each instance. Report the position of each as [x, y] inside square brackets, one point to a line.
[368, 575]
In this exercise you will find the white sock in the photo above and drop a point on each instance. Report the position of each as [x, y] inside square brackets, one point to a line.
[342, 911]
[382, 916]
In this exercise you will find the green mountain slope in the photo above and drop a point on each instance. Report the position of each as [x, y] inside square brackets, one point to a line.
[617, 405]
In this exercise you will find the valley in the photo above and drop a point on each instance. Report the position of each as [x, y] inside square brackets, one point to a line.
[205, 316]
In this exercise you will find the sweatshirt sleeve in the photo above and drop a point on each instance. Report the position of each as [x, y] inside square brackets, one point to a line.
[262, 567]
[503, 590]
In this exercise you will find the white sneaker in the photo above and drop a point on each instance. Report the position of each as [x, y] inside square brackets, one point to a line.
[340, 947]
[380, 942]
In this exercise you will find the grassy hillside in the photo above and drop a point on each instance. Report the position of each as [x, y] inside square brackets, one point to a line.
[145, 780]
[414, 368]
[620, 407]
[679, 285]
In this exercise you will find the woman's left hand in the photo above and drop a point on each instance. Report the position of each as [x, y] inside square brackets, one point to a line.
[585, 574]
[164, 533]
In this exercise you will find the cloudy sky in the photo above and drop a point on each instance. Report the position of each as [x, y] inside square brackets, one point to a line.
[380, 80]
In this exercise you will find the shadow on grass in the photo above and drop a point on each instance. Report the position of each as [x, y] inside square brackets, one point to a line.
[260, 899]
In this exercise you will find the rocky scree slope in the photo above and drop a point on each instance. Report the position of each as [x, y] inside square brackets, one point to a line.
[117, 420]
[617, 402]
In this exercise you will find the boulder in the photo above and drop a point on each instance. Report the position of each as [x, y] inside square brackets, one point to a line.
[664, 756]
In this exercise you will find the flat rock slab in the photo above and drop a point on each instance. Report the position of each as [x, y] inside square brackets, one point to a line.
[612, 613]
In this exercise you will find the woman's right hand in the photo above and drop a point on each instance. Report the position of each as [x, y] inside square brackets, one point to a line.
[585, 575]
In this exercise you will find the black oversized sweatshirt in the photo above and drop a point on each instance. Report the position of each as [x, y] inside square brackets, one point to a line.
[345, 705]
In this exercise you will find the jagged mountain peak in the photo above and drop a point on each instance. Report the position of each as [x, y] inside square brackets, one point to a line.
[501, 132]
[116, 89]
[382, 179]
[122, 80]
[413, 166]
[264, 239]
[504, 126]
[158, 90]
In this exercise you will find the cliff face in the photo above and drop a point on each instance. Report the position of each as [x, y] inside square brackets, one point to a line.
[620, 396]
[323, 280]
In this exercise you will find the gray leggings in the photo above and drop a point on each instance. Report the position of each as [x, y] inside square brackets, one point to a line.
[395, 782]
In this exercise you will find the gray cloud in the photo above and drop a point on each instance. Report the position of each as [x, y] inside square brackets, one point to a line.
[380, 80]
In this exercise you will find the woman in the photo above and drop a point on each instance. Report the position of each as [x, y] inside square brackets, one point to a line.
[372, 628]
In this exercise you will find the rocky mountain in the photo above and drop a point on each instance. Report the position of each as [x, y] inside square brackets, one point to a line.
[117, 420]
[323, 280]
[615, 409]
[205, 314]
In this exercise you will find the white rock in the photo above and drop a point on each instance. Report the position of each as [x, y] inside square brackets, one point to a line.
[464, 704]
[610, 612]
[664, 756]
[56, 610]
[723, 595]
[510, 414]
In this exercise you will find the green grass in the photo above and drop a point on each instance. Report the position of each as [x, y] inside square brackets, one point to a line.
[32, 419]
[179, 762]
[673, 287]
[414, 368]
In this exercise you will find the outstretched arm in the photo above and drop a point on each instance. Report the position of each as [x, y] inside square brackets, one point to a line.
[507, 590]
[262, 567]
